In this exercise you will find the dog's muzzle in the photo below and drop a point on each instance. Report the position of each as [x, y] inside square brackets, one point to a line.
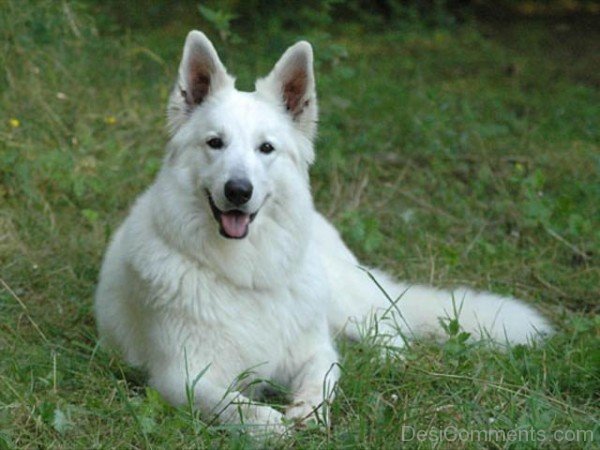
[233, 224]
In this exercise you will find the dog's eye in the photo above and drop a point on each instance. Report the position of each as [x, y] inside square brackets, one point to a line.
[266, 148]
[215, 143]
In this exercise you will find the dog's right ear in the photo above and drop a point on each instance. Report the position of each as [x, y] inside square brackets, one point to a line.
[201, 73]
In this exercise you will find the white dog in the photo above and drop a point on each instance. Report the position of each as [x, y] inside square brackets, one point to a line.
[224, 267]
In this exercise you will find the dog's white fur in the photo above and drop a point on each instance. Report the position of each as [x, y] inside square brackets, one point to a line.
[196, 309]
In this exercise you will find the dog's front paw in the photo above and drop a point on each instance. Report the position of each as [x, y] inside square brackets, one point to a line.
[263, 421]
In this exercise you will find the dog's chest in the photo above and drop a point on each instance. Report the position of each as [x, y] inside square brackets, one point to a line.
[238, 328]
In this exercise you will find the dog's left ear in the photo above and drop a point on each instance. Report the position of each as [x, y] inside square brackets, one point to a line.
[291, 84]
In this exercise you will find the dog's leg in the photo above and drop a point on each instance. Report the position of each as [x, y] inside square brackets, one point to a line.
[313, 385]
[217, 402]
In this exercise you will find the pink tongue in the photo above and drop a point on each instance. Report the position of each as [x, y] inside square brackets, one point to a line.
[235, 224]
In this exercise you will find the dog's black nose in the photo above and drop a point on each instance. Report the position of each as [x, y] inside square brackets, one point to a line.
[238, 191]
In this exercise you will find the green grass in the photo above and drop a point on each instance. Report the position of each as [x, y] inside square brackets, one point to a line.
[449, 156]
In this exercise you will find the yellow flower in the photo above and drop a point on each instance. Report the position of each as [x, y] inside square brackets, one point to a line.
[14, 123]
[520, 168]
[110, 120]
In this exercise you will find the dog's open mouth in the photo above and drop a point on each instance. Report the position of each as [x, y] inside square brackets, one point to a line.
[233, 224]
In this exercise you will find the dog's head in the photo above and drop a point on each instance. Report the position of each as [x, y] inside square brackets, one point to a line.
[238, 151]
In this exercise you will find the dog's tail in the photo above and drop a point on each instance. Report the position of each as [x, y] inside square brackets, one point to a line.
[364, 300]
